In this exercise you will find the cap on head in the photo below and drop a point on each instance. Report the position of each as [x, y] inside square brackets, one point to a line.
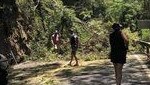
[116, 26]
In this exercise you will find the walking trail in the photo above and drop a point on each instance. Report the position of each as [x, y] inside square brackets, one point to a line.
[100, 72]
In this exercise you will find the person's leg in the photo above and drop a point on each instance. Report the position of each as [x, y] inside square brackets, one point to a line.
[55, 48]
[71, 58]
[115, 68]
[76, 59]
[60, 51]
[119, 73]
[58, 48]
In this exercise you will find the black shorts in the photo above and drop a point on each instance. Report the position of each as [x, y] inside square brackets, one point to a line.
[74, 49]
[118, 57]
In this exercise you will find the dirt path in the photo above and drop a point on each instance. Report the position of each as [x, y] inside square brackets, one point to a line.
[100, 72]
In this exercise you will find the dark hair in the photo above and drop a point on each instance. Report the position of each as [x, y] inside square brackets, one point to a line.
[71, 31]
[116, 26]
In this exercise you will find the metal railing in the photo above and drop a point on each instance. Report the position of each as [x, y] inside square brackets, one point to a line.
[145, 47]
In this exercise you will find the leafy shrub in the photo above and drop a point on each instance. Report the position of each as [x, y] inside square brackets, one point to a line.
[132, 38]
[146, 35]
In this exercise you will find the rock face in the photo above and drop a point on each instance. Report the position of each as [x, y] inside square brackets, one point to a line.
[14, 30]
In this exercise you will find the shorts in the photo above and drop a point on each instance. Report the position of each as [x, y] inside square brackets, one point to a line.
[119, 57]
[74, 49]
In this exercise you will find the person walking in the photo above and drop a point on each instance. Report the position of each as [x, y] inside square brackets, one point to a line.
[119, 46]
[74, 46]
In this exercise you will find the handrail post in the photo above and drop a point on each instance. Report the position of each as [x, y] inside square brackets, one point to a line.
[147, 51]
[145, 47]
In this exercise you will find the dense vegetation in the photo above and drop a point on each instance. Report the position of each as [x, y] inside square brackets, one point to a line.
[92, 19]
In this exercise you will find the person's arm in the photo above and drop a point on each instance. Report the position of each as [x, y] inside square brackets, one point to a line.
[52, 40]
[77, 41]
[125, 37]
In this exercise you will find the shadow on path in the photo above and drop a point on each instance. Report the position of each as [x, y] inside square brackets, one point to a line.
[18, 76]
[102, 74]
[93, 73]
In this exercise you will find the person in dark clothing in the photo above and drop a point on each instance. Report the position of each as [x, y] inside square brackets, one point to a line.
[3, 77]
[119, 46]
[3, 70]
[74, 46]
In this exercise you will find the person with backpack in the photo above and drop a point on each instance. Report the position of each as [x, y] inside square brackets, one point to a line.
[55, 40]
[74, 46]
[119, 46]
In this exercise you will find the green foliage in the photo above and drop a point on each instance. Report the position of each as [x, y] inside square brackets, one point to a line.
[132, 38]
[122, 10]
[146, 35]
[91, 19]
[93, 56]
